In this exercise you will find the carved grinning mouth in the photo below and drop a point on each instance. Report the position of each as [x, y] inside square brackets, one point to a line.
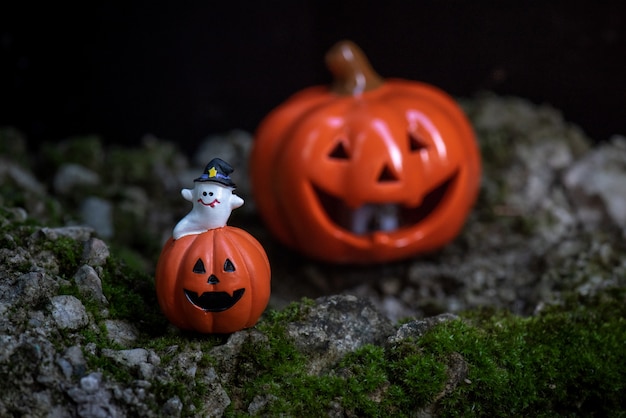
[386, 217]
[214, 301]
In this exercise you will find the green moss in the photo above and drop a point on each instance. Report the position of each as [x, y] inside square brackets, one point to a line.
[369, 382]
[393, 380]
[562, 361]
[167, 389]
[112, 369]
[132, 297]
[274, 319]
[276, 369]
[68, 253]
[559, 362]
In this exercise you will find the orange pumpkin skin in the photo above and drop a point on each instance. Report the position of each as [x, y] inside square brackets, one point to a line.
[402, 146]
[230, 285]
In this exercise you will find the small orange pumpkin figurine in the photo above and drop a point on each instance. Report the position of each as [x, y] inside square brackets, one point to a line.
[212, 278]
[366, 170]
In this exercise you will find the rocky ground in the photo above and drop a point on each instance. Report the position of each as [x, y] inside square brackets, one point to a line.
[83, 224]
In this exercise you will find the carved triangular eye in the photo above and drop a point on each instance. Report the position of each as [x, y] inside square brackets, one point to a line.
[415, 142]
[229, 266]
[340, 152]
[199, 267]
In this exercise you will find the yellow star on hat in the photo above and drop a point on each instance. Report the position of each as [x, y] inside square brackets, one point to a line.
[212, 172]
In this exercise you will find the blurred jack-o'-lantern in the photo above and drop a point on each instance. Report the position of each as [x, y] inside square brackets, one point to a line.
[365, 170]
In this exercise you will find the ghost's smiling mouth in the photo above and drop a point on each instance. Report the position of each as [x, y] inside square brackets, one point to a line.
[214, 301]
[385, 217]
[212, 204]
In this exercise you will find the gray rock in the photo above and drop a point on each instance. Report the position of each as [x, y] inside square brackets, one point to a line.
[90, 285]
[30, 376]
[216, 400]
[226, 354]
[96, 252]
[597, 185]
[187, 362]
[121, 332]
[135, 398]
[415, 329]
[523, 178]
[70, 176]
[68, 312]
[98, 213]
[65, 366]
[335, 326]
[172, 408]
[78, 232]
[17, 214]
[137, 358]
[259, 402]
[33, 288]
[13, 172]
[14, 257]
[74, 355]
[93, 399]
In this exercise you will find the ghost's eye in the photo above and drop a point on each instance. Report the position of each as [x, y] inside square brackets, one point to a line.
[210, 193]
[203, 193]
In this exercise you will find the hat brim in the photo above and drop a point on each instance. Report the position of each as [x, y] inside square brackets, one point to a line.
[226, 182]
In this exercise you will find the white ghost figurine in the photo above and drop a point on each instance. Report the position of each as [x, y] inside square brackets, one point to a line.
[212, 198]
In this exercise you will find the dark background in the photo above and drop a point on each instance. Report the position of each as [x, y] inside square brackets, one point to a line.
[182, 72]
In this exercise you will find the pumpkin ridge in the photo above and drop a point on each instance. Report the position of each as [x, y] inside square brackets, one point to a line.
[241, 252]
[259, 290]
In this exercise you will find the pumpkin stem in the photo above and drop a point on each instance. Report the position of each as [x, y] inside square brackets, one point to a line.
[351, 69]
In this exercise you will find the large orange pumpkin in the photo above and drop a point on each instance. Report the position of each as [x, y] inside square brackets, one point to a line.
[217, 281]
[366, 170]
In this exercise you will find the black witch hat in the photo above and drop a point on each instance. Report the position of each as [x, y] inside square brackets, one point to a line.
[217, 170]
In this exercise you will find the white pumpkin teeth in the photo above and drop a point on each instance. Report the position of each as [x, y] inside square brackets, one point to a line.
[374, 217]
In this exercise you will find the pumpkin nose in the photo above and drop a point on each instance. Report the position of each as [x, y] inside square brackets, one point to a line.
[213, 279]
[387, 175]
